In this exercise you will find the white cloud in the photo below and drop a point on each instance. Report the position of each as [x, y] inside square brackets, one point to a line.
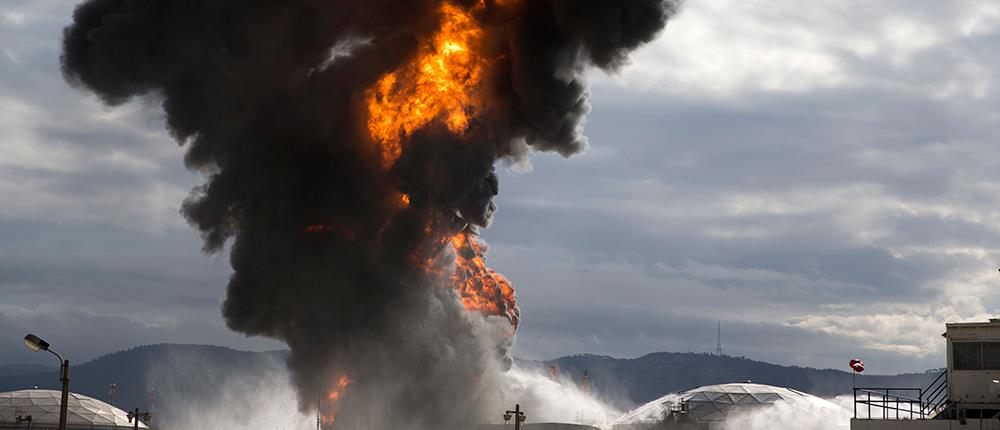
[718, 48]
[66, 158]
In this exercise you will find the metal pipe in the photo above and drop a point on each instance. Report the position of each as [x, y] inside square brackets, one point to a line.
[64, 378]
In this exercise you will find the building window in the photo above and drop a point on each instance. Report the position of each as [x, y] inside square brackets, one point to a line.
[991, 355]
[967, 355]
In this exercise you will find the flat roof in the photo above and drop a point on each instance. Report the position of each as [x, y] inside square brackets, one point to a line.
[993, 322]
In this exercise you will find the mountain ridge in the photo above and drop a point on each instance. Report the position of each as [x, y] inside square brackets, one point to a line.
[621, 381]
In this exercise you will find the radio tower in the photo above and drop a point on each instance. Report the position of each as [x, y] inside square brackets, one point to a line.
[718, 339]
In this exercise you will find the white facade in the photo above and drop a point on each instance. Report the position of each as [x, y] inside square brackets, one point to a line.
[82, 412]
[974, 364]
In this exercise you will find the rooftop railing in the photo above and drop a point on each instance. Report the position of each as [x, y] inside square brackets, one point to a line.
[903, 403]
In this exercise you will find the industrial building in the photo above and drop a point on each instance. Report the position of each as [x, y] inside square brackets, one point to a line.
[38, 409]
[966, 395]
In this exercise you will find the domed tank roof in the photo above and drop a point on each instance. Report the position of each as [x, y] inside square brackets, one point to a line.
[82, 412]
[717, 402]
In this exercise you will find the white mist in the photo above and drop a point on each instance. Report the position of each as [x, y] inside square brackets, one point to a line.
[547, 400]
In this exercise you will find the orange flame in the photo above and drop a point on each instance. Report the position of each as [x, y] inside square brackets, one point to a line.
[339, 389]
[481, 288]
[334, 398]
[441, 82]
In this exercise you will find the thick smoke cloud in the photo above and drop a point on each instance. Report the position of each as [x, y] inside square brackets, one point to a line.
[268, 97]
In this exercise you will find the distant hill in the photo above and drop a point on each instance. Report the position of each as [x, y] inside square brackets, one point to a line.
[137, 370]
[195, 369]
[649, 377]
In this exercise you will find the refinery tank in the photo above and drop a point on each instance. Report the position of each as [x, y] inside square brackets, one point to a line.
[82, 412]
[709, 407]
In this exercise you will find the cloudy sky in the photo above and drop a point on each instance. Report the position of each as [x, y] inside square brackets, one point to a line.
[823, 180]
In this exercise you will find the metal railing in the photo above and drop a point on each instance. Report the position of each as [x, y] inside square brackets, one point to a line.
[936, 395]
[904, 403]
[890, 401]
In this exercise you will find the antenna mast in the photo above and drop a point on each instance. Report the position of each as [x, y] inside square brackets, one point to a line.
[718, 339]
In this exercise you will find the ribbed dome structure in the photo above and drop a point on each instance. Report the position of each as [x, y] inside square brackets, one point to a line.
[82, 412]
[716, 403]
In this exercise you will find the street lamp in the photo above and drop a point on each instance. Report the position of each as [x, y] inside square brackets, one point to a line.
[21, 419]
[36, 344]
[136, 415]
[518, 416]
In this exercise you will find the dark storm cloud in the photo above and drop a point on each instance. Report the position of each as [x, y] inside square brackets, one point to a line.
[101, 270]
[848, 269]
[810, 135]
[93, 289]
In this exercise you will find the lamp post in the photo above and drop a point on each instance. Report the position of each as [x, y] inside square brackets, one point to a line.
[21, 419]
[136, 415]
[518, 416]
[37, 344]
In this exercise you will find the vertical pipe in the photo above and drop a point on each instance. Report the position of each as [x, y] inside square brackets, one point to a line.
[64, 377]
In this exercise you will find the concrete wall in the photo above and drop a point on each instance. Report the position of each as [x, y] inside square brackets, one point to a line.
[860, 424]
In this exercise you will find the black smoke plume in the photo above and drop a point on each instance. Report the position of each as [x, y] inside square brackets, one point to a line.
[267, 96]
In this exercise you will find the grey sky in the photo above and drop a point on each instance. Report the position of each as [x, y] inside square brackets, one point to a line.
[824, 180]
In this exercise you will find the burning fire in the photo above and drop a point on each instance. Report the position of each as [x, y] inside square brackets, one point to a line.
[441, 82]
[317, 189]
[339, 389]
[333, 398]
[482, 289]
